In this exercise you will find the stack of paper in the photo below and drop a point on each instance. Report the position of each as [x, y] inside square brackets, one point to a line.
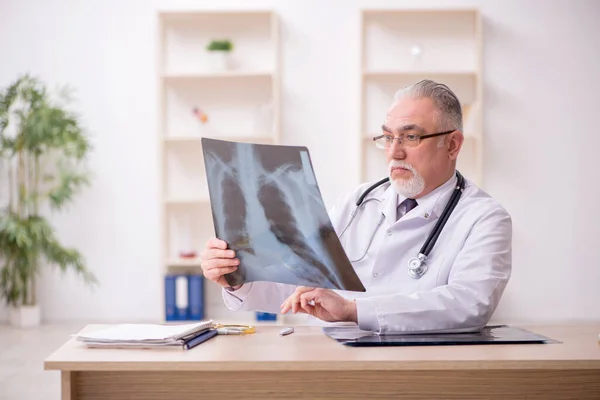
[144, 335]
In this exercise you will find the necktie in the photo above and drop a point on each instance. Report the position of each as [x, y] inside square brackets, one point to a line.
[405, 207]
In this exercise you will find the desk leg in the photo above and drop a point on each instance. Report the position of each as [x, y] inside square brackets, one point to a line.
[67, 388]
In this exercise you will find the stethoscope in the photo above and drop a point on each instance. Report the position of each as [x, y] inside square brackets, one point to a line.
[416, 265]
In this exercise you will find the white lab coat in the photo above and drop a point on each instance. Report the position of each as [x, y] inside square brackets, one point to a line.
[469, 265]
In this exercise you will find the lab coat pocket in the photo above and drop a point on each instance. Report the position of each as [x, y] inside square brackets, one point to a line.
[441, 271]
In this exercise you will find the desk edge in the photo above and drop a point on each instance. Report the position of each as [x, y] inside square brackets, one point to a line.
[323, 365]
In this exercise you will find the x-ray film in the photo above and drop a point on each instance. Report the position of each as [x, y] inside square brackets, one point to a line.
[267, 206]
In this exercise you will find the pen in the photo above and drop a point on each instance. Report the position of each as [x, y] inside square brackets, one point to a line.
[203, 337]
[286, 331]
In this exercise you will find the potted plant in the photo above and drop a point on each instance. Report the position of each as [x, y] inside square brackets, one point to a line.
[42, 151]
[219, 53]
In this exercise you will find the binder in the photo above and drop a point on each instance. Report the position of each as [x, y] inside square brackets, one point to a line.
[196, 297]
[264, 316]
[181, 297]
[170, 298]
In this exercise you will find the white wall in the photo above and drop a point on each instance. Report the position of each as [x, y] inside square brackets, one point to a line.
[542, 136]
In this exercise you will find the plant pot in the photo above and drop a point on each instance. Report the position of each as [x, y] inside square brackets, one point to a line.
[25, 316]
[219, 60]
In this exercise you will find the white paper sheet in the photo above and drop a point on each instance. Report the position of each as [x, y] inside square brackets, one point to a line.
[144, 333]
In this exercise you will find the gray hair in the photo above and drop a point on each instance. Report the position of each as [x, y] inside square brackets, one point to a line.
[448, 106]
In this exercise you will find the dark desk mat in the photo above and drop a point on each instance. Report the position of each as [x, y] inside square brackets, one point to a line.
[493, 334]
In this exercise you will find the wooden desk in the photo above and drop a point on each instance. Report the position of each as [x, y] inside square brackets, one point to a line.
[308, 364]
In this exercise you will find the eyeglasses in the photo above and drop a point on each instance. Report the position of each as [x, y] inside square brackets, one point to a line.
[411, 139]
[228, 329]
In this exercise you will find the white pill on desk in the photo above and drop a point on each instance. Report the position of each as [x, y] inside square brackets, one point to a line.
[286, 331]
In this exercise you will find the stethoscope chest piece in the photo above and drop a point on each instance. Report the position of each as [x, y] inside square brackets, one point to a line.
[417, 266]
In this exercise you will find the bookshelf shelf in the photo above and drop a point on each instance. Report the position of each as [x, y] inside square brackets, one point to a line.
[188, 201]
[237, 100]
[196, 139]
[182, 139]
[401, 47]
[191, 76]
[416, 73]
[181, 262]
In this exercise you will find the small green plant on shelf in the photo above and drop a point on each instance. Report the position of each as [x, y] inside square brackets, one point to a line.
[220, 45]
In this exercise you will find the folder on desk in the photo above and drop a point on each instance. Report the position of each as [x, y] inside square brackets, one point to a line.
[493, 334]
[145, 335]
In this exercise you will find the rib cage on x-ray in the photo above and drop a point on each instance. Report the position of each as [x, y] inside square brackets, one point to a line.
[267, 206]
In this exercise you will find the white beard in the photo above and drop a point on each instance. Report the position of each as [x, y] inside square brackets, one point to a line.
[409, 188]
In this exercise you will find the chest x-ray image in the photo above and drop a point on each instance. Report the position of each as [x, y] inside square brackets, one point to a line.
[266, 204]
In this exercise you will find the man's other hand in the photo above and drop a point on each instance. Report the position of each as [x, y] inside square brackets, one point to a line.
[324, 304]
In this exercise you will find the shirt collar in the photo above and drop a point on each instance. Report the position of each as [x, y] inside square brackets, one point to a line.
[430, 205]
[434, 202]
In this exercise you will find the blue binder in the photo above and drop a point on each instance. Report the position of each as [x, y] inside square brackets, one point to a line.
[263, 316]
[182, 305]
[170, 314]
[194, 309]
[196, 297]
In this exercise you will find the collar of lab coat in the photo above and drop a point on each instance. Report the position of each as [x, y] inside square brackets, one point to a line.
[429, 206]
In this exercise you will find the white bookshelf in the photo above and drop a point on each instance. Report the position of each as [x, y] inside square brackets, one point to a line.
[242, 102]
[401, 47]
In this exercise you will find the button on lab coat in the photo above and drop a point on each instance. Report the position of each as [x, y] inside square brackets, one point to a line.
[468, 268]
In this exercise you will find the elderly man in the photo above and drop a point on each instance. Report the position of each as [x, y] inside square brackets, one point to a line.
[466, 270]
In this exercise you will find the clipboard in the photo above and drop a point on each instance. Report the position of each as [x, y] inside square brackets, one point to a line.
[489, 335]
